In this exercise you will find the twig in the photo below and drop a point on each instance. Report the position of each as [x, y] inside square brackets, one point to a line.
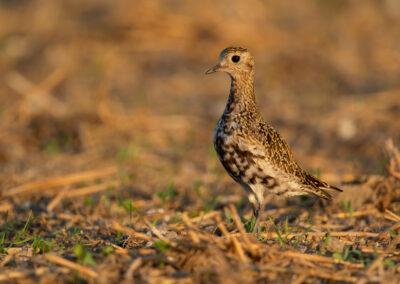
[13, 275]
[332, 234]
[64, 262]
[130, 231]
[300, 279]
[241, 229]
[56, 200]
[310, 272]
[324, 259]
[354, 214]
[392, 216]
[239, 249]
[91, 189]
[134, 265]
[205, 216]
[191, 230]
[222, 227]
[79, 192]
[62, 180]
[386, 233]
[158, 234]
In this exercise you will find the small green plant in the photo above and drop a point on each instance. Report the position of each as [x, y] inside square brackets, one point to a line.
[324, 245]
[279, 233]
[239, 203]
[154, 222]
[119, 236]
[51, 148]
[2, 249]
[345, 255]
[394, 208]
[228, 216]
[360, 256]
[168, 194]
[348, 207]
[388, 262]
[89, 201]
[40, 245]
[20, 239]
[197, 185]
[125, 177]
[128, 205]
[176, 219]
[107, 202]
[193, 214]
[299, 239]
[5, 217]
[128, 152]
[107, 250]
[75, 233]
[161, 246]
[210, 205]
[309, 215]
[83, 255]
[248, 224]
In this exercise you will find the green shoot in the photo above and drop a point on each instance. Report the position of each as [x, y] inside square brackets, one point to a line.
[388, 262]
[22, 232]
[345, 256]
[128, 205]
[154, 222]
[83, 255]
[161, 246]
[40, 245]
[176, 219]
[168, 194]
[211, 204]
[301, 237]
[248, 224]
[197, 185]
[278, 233]
[107, 250]
[2, 249]
[89, 201]
[228, 216]
[322, 251]
[347, 206]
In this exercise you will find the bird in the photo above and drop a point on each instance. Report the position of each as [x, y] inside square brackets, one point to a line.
[252, 152]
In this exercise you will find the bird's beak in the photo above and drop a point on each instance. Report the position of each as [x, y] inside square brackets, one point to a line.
[213, 69]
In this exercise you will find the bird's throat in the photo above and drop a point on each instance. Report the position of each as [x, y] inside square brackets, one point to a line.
[241, 96]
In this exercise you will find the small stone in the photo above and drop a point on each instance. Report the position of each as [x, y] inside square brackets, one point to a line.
[335, 245]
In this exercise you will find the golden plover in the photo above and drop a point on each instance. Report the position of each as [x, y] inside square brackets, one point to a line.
[251, 151]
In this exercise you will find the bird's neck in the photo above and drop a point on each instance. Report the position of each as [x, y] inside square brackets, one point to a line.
[241, 97]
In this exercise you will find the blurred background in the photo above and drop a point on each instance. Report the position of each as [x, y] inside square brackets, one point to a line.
[87, 84]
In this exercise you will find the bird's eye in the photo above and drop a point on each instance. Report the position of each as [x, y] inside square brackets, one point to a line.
[235, 58]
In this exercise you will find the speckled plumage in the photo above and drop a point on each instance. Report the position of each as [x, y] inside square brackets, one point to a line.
[252, 151]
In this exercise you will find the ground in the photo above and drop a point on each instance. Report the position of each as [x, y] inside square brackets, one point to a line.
[108, 172]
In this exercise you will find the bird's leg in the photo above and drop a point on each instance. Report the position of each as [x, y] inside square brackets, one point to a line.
[256, 211]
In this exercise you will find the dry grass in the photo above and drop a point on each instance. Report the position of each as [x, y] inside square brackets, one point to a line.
[107, 166]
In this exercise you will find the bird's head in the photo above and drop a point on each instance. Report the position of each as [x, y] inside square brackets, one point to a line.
[235, 61]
